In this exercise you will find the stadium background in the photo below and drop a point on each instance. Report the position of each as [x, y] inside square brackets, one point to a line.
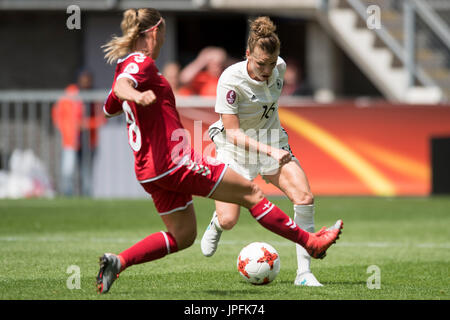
[364, 129]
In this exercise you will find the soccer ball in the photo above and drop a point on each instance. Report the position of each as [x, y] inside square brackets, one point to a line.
[258, 263]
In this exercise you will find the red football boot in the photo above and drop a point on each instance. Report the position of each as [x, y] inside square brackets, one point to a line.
[319, 242]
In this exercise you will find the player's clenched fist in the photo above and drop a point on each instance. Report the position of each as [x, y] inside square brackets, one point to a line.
[145, 98]
[281, 156]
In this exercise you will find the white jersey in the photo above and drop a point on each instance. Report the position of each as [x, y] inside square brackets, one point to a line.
[255, 103]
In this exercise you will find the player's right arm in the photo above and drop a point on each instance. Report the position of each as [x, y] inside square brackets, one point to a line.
[124, 90]
[238, 137]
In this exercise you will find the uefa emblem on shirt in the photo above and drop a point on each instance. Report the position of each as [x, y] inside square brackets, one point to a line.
[231, 96]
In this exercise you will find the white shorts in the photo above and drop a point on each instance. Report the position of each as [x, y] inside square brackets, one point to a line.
[251, 168]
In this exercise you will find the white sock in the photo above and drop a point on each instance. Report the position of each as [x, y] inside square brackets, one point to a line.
[304, 218]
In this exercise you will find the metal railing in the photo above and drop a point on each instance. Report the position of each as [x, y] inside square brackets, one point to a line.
[415, 33]
[432, 19]
[96, 5]
[405, 52]
[438, 4]
[26, 124]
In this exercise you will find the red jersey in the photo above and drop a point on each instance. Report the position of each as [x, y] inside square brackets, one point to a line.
[152, 129]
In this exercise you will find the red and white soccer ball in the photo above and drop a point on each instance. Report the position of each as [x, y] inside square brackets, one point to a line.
[258, 263]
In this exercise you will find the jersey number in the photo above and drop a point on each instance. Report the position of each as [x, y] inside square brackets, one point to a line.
[134, 134]
[268, 111]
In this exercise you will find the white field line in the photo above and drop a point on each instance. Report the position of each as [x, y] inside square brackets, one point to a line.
[56, 238]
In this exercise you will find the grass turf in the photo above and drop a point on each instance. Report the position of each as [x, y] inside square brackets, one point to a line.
[408, 239]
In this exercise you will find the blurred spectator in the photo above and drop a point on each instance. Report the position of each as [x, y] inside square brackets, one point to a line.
[294, 83]
[171, 72]
[200, 77]
[78, 124]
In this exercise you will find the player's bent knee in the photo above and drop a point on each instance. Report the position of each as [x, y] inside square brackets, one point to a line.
[228, 222]
[303, 198]
[255, 195]
[190, 240]
[227, 214]
[185, 240]
[184, 237]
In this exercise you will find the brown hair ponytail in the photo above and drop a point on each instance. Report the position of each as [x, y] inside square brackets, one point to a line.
[262, 34]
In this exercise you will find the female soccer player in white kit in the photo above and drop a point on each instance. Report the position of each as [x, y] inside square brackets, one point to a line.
[250, 139]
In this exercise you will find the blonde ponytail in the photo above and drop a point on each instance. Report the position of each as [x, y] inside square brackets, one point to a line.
[134, 22]
[262, 34]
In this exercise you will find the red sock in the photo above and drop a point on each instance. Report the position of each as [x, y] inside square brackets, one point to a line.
[155, 246]
[271, 217]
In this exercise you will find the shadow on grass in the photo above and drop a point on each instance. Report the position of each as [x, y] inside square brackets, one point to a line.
[328, 283]
[229, 292]
[361, 283]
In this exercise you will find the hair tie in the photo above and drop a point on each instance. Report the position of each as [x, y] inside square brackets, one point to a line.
[155, 26]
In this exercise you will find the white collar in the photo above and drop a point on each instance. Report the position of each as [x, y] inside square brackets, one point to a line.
[131, 54]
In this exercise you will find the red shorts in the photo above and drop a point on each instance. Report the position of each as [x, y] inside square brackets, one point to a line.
[173, 191]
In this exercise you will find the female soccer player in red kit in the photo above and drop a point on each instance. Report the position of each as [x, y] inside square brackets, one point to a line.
[168, 169]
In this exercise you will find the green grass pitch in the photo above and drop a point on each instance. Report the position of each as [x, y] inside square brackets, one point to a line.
[407, 239]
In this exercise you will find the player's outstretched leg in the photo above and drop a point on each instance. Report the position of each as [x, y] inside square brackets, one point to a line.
[316, 244]
[236, 189]
[181, 226]
[153, 247]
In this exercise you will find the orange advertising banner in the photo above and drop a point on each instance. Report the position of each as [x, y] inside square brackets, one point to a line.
[349, 149]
